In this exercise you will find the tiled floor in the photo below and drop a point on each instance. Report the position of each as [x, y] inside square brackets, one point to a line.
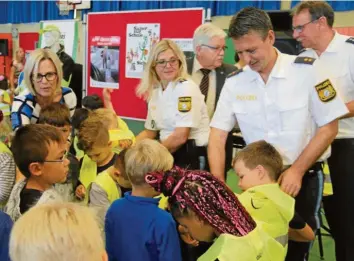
[328, 244]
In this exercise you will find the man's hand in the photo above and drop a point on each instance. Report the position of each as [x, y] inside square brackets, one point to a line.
[290, 181]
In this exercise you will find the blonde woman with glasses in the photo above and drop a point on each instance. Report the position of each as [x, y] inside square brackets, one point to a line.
[43, 76]
[176, 107]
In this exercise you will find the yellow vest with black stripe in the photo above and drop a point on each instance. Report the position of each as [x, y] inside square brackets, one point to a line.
[272, 209]
[4, 148]
[327, 185]
[105, 181]
[5, 105]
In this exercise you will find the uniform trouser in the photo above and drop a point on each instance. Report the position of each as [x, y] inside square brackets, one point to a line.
[307, 205]
[191, 156]
[339, 208]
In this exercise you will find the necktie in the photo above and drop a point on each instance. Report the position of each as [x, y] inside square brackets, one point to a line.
[204, 84]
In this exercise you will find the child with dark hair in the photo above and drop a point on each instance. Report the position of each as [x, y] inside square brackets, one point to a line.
[92, 102]
[208, 209]
[79, 116]
[40, 154]
[58, 116]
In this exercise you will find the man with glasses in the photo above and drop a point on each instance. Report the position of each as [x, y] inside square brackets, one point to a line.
[334, 53]
[209, 72]
[278, 98]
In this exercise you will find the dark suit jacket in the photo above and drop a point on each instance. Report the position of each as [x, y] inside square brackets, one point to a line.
[221, 74]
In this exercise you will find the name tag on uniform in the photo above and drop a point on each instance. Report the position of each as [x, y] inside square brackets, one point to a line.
[184, 104]
[246, 97]
[325, 91]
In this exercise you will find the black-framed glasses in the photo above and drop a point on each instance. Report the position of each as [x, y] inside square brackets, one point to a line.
[50, 76]
[300, 28]
[218, 49]
[163, 63]
[61, 160]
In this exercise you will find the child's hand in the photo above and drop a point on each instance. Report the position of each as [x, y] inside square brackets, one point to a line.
[124, 144]
[106, 93]
[80, 192]
[186, 237]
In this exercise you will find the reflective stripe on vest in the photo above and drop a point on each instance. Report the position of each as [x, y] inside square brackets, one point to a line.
[283, 240]
[105, 181]
[327, 186]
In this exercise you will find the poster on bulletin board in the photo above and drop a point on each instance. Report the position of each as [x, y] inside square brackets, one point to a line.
[104, 53]
[164, 23]
[141, 38]
[69, 37]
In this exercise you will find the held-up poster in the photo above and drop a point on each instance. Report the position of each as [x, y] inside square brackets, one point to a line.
[104, 54]
[141, 38]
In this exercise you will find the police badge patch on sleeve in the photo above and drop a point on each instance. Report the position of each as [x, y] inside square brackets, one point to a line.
[184, 104]
[326, 91]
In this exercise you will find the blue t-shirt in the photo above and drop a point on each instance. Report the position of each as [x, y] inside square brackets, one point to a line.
[137, 229]
[5, 230]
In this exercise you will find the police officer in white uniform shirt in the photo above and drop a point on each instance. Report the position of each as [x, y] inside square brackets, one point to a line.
[276, 97]
[176, 107]
[334, 53]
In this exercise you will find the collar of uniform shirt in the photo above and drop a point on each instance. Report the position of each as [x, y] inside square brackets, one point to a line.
[333, 45]
[197, 66]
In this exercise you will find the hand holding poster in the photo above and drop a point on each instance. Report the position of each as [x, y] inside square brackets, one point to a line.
[141, 38]
[104, 61]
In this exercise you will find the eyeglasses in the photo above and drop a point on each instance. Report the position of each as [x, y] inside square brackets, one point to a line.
[50, 76]
[61, 160]
[163, 63]
[218, 49]
[300, 28]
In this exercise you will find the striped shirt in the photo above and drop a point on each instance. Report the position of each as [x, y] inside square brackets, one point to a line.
[7, 176]
[25, 109]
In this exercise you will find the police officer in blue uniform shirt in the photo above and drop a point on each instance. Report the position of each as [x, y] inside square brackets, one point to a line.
[278, 98]
[176, 107]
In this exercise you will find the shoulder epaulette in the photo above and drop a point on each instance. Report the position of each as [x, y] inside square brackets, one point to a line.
[182, 80]
[234, 73]
[302, 50]
[305, 60]
[350, 40]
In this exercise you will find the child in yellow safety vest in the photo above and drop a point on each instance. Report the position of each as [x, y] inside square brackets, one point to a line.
[101, 138]
[258, 167]
[106, 188]
[211, 212]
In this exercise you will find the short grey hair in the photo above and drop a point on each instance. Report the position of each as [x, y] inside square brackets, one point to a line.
[249, 20]
[317, 9]
[204, 33]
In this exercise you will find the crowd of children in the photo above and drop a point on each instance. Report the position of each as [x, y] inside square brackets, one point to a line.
[85, 190]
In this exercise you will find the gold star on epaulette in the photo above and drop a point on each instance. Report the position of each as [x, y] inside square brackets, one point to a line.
[234, 73]
[305, 60]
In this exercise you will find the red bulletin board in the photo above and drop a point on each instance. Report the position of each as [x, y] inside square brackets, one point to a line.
[174, 23]
[28, 41]
[5, 61]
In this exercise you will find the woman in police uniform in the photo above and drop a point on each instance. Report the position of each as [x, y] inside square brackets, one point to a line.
[176, 107]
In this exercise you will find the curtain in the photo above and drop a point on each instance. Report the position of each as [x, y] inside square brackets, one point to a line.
[337, 6]
[35, 11]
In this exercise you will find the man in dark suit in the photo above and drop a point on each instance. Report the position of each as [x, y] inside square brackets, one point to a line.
[209, 72]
